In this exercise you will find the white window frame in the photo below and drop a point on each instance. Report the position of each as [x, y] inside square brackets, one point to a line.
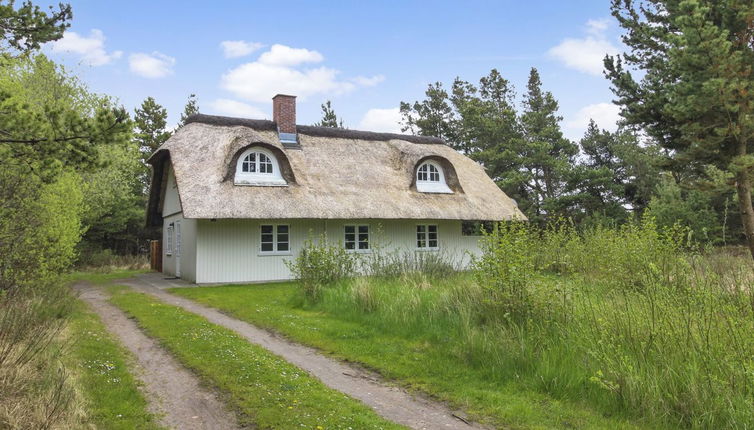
[429, 186]
[256, 178]
[169, 240]
[426, 238]
[356, 240]
[275, 241]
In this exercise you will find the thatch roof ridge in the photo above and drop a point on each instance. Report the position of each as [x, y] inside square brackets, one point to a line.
[310, 130]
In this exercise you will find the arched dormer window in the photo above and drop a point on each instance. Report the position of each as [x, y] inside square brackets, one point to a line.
[430, 178]
[258, 166]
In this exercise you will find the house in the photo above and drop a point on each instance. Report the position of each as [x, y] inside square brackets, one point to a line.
[237, 197]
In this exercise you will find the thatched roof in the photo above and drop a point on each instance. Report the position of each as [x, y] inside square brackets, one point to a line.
[332, 174]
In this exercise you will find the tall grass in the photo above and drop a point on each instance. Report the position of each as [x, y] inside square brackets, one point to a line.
[630, 319]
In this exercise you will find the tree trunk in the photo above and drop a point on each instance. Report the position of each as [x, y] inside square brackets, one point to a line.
[743, 187]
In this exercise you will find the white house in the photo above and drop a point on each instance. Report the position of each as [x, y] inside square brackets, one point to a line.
[237, 197]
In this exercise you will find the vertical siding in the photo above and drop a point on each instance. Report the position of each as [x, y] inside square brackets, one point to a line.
[228, 250]
[172, 203]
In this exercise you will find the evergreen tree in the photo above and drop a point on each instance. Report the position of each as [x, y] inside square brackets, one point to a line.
[150, 122]
[191, 108]
[25, 29]
[432, 116]
[546, 156]
[695, 96]
[329, 118]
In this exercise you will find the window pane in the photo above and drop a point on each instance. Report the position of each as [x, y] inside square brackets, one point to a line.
[350, 229]
[432, 243]
[432, 228]
[432, 236]
[267, 247]
[350, 245]
[363, 229]
[267, 238]
[282, 246]
[266, 229]
[282, 229]
[350, 237]
[421, 243]
[420, 228]
[364, 245]
[283, 237]
[363, 237]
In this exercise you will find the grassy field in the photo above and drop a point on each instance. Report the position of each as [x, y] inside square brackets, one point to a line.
[268, 391]
[420, 360]
[98, 365]
[611, 328]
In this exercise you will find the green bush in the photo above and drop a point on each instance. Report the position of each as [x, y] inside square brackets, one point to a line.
[321, 264]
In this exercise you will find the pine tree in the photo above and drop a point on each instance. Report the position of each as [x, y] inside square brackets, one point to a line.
[432, 116]
[150, 120]
[191, 108]
[329, 118]
[695, 96]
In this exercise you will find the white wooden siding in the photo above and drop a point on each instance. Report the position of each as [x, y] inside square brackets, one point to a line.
[172, 202]
[227, 251]
[188, 247]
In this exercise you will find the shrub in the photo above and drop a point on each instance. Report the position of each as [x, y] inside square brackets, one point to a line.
[320, 264]
[394, 264]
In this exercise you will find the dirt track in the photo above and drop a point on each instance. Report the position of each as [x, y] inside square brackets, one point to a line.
[174, 393]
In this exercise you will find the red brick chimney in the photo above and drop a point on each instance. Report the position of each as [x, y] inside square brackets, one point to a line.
[284, 113]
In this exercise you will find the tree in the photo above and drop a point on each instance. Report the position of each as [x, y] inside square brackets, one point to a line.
[432, 116]
[26, 28]
[150, 121]
[191, 108]
[329, 118]
[696, 93]
[546, 155]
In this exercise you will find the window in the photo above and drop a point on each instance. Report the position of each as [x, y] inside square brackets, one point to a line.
[169, 241]
[274, 239]
[430, 178]
[257, 166]
[476, 228]
[426, 237]
[357, 237]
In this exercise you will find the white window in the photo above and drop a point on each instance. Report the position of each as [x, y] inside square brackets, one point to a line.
[431, 179]
[274, 239]
[169, 241]
[258, 166]
[426, 237]
[356, 238]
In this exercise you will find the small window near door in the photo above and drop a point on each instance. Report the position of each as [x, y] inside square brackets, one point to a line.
[426, 237]
[274, 239]
[356, 238]
[169, 241]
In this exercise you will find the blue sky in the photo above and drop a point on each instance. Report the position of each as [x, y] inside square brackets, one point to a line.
[365, 57]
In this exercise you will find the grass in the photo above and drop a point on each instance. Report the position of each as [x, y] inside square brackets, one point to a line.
[99, 365]
[268, 391]
[103, 277]
[426, 362]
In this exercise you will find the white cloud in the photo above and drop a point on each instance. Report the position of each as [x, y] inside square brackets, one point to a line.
[239, 48]
[384, 120]
[153, 66]
[281, 55]
[606, 115]
[275, 72]
[91, 49]
[586, 54]
[236, 108]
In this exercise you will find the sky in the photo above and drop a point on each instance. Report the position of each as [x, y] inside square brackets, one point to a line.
[366, 57]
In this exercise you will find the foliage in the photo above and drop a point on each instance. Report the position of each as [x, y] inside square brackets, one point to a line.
[691, 208]
[329, 118]
[696, 92]
[320, 264]
[267, 390]
[191, 108]
[25, 29]
[150, 126]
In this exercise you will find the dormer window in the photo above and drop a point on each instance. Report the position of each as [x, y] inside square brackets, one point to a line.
[431, 179]
[258, 166]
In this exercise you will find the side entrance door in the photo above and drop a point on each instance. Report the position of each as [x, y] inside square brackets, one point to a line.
[177, 249]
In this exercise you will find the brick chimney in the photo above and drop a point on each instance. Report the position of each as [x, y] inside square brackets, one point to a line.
[284, 113]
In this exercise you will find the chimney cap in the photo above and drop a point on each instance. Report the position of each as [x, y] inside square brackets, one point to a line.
[283, 95]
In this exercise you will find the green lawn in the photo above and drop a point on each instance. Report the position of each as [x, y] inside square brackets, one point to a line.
[413, 361]
[268, 391]
[100, 372]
